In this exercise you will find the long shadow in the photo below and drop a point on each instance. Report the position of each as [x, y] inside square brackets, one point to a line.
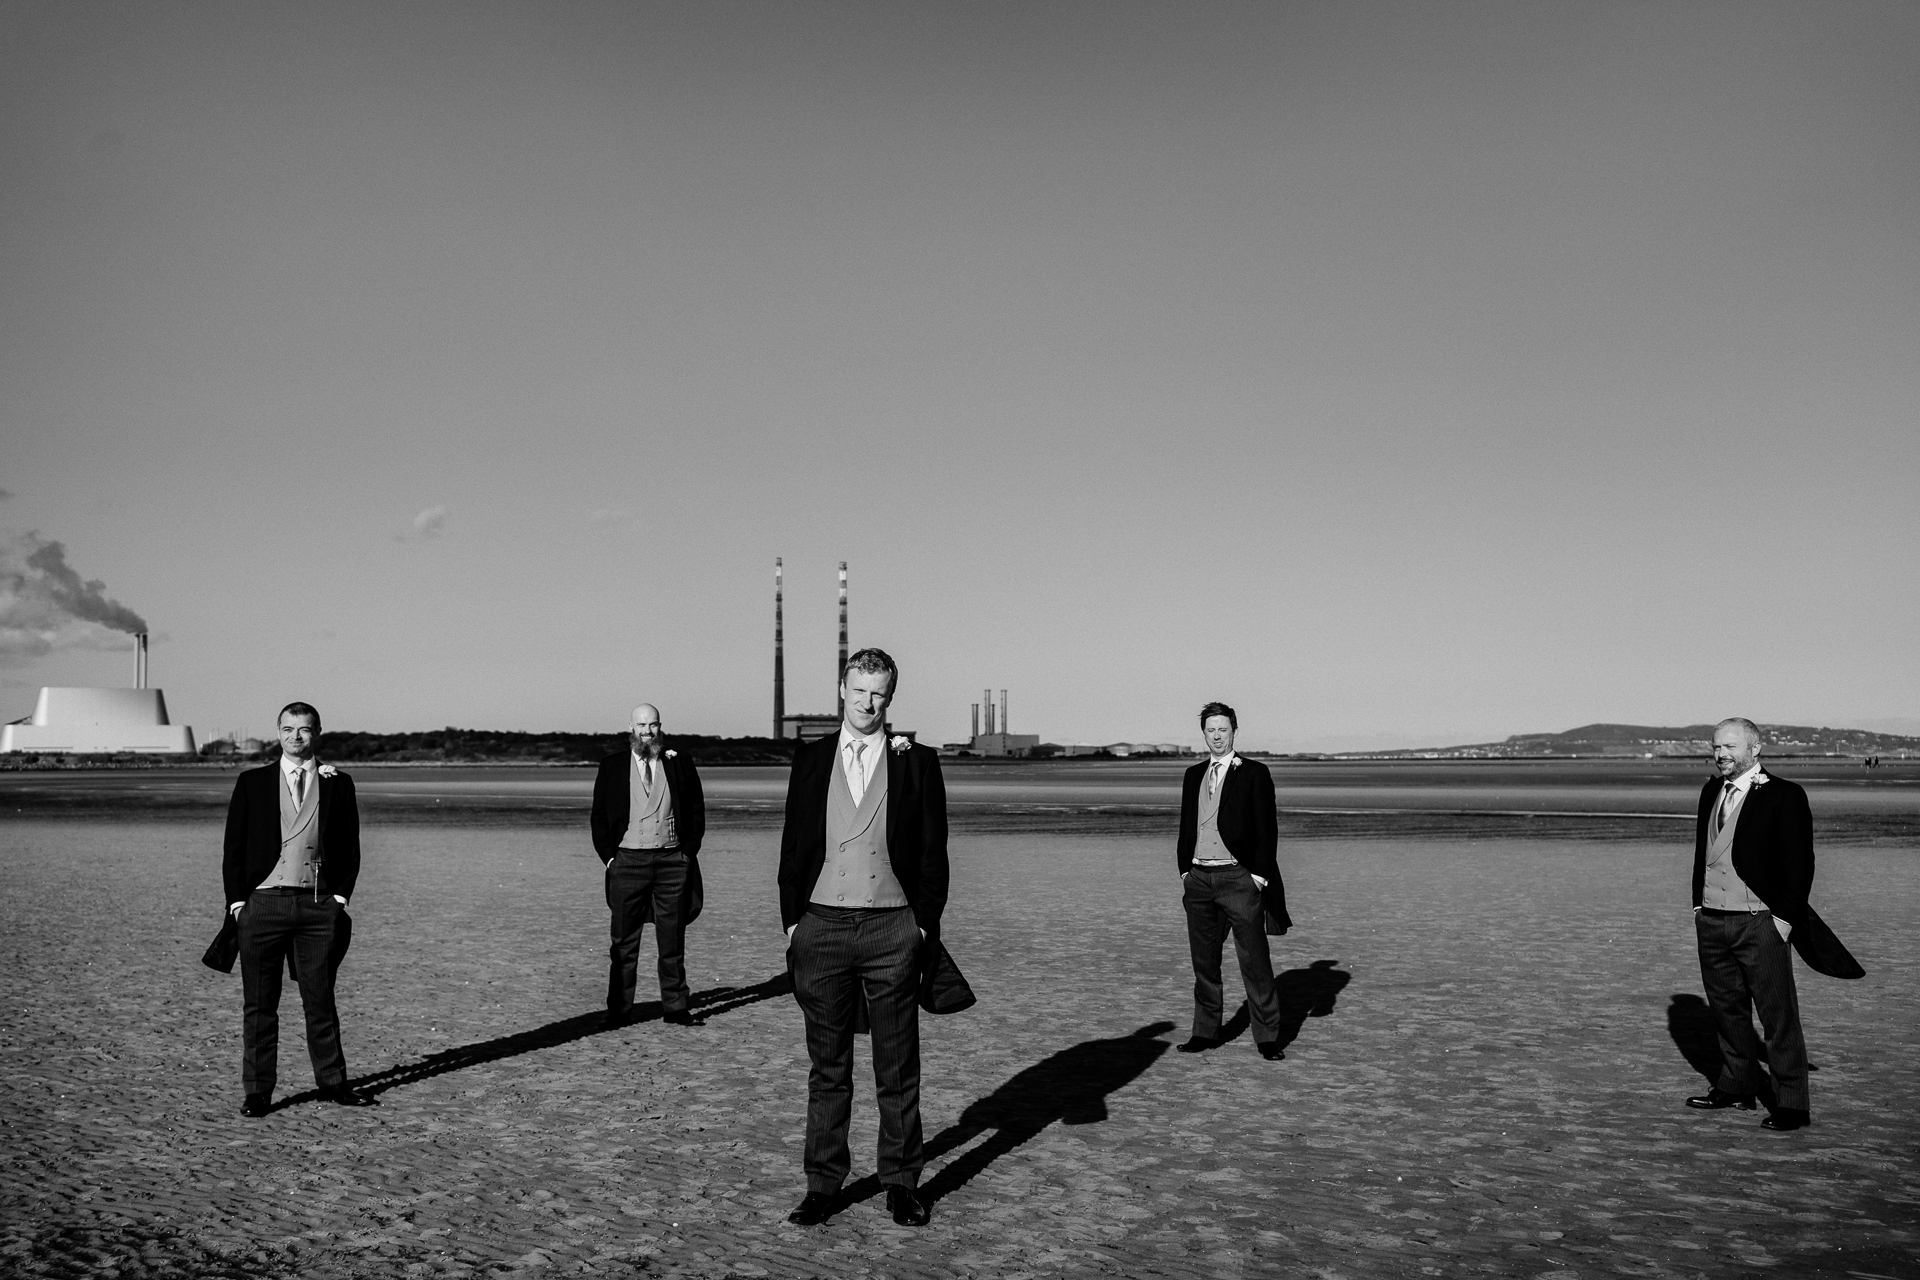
[1690, 1023]
[1071, 1087]
[1304, 993]
[708, 1003]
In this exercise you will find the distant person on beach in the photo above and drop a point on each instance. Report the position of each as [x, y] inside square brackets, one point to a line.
[292, 855]
[863, 880]
[648, 819]
[1752, 870]
[1229, 835]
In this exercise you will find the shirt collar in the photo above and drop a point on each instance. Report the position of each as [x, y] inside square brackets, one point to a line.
[1743, 781]
[873, 740]
[289, 766]
[1226, 760]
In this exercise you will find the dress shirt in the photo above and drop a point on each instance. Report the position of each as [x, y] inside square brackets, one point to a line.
[861, 773]
[289, 767]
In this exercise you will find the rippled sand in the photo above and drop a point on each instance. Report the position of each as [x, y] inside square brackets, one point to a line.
[1490, 1041]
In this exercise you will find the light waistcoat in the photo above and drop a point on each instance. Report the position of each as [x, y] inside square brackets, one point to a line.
[1209, 849]
[856, 871]
[650, 822]
[1723, 889]
[299, 865]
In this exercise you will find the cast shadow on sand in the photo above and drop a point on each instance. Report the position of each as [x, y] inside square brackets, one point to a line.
[1304, 993]
[707, 1004]
[1071, 1086]
[1690, 1023]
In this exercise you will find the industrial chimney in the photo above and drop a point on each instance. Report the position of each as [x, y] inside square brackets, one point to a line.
[140, 660]
[976, 722]
[838, 703]
[1005, 724]
[986, 696]
[779, 651]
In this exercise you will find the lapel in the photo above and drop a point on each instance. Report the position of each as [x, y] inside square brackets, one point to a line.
[325, 786]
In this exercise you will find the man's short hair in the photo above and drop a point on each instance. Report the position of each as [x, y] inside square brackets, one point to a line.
[1751, 729]
[298, 709]
[873, 661]
[1213, 709]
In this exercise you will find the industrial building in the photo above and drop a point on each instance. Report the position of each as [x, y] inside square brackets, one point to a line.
[101, 721]
[998, 740]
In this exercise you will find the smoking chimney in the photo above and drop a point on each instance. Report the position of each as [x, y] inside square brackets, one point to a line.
[140, 660]
[1005, 724]
[839, 703]
[779, 651]
[976, 722]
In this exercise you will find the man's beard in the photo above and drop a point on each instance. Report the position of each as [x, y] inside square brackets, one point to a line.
[648, 748]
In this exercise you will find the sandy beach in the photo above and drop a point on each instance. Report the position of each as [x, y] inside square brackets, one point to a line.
[1489, 1042]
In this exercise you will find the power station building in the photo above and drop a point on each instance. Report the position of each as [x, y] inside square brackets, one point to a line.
[998, 740]
[101, 721]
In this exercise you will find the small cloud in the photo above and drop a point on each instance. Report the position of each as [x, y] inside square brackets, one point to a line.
[608, 515]
[430, 523]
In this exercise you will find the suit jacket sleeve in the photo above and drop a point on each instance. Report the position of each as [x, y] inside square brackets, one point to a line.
[930, 899]
[233, 861]
[1707, 795]
[606, 842]
[1265, 824]
[1189, 836]
[802, 836]
[341, 847]
[690, 808]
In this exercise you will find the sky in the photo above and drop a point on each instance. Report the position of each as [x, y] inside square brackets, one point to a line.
[1402, 374]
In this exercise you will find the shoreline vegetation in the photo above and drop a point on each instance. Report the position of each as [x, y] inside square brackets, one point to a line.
[493, 748]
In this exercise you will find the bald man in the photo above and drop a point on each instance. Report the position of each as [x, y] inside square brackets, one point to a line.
[648, 818]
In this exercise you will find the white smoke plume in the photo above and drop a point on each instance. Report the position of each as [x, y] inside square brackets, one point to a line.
[46, 605]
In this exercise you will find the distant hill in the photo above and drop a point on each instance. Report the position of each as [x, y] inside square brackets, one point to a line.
[1686, 740]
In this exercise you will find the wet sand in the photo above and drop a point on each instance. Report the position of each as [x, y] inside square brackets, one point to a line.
[1489, 1044]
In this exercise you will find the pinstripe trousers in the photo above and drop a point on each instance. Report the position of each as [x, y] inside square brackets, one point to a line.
[840, 955]
[1746, 969]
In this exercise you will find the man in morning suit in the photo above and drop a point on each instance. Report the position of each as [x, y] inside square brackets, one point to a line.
[1229, 832]
[1752, 870]
[292, 855]
[648, 820]
[863, 880]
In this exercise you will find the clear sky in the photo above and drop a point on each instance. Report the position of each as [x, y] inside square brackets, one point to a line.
[1398, 373]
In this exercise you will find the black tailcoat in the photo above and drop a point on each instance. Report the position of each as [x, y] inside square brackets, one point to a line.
[1249, 827]
[916, 829]
[613, 809]
[252, 846]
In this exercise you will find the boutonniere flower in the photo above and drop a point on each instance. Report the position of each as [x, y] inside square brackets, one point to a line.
[1234, 763]
[327, 771]
[672, 754]
[899, 743]
[1759, 780]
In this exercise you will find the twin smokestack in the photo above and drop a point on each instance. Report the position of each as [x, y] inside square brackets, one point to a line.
[780, 646]
[986, 696]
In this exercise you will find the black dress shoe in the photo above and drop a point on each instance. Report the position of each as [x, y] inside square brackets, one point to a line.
[1271, 1050]
[907, 1208]
[345, 1095]
[257, 1105]
[1786, 1119]
[815, 1208]
[1716, 1099]
[682, 1018]
[1199, 1044]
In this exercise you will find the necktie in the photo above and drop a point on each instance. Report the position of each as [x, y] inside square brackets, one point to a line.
[1213, 777]
[646, 772]
[299, 786]
[857, 773]
[1726, 801]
